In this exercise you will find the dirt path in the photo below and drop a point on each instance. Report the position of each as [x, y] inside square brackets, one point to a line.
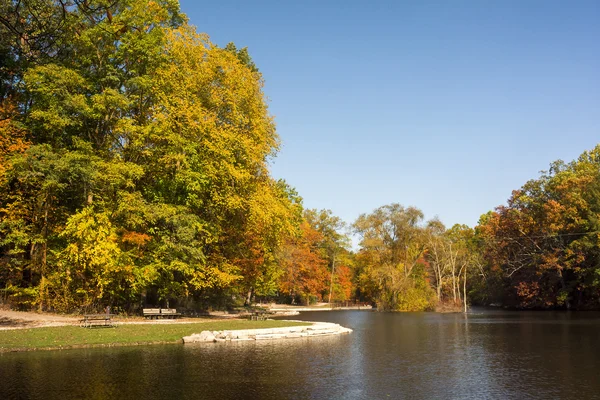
[21, 320]
[25, 320]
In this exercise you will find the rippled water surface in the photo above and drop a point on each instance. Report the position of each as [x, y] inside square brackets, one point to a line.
[485, 354]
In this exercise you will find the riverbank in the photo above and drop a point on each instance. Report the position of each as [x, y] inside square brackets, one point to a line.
[68, 337]
[296, 310]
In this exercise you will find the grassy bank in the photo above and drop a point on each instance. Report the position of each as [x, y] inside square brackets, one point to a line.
[75, 336]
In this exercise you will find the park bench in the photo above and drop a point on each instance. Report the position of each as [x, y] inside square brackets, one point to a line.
[155, 313]
[91, 320]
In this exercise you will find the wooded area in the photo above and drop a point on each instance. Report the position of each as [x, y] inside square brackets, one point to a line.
[134, 171]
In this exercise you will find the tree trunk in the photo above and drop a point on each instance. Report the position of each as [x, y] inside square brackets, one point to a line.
[564, 288]
[454, 283]
[331, 283]
[465, 289]
[453, 263]
[44, 256]
[249, 296]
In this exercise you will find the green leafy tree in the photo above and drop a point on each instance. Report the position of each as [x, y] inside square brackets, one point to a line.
[132, 125]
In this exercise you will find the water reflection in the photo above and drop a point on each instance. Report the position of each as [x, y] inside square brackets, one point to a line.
[485, 354]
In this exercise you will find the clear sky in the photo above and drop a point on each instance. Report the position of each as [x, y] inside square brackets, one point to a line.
[445, 105]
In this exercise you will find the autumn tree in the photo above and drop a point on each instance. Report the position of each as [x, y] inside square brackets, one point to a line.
[334, 240]
[544, 242]
[343, 287]
[437, 247]
[305, 275]
[392, 267]
[137, 165]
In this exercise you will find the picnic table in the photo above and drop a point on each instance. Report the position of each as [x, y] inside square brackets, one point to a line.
[259, 315]
[155, 313]
[91, 320]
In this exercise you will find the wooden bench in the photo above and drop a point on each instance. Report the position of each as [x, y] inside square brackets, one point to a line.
[91, 320]
[155, 313]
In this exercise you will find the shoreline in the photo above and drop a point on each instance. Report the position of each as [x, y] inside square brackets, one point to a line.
[315, 329]
[304, 309]
[85, 346]
[307, 329]
[74, 336]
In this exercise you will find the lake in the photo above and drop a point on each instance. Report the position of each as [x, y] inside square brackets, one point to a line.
[484, 354]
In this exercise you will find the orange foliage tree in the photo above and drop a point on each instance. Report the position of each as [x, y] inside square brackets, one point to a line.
[305, 275]
[545, 242]
[343, 287]
[12, 135]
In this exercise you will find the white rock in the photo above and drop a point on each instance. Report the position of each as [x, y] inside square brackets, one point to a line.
[317, 329]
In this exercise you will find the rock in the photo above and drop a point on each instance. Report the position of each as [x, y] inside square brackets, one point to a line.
[317, 329]
[206, 336]
[270, 336]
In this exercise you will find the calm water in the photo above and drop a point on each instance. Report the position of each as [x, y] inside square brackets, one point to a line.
[485, 354]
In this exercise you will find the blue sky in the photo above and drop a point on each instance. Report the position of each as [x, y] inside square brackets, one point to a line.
[444, 105]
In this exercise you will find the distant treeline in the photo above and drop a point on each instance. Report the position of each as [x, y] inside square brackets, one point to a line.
[134, 171]
[540, 251]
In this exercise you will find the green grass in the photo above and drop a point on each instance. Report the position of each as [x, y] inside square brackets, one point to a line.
[75, 336]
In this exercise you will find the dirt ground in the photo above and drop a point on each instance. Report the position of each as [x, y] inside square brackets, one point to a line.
[25, 320]
[21, 320]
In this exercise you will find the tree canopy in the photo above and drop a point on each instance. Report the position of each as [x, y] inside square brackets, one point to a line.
[134, 170]
[542, 248]
[133, 158]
